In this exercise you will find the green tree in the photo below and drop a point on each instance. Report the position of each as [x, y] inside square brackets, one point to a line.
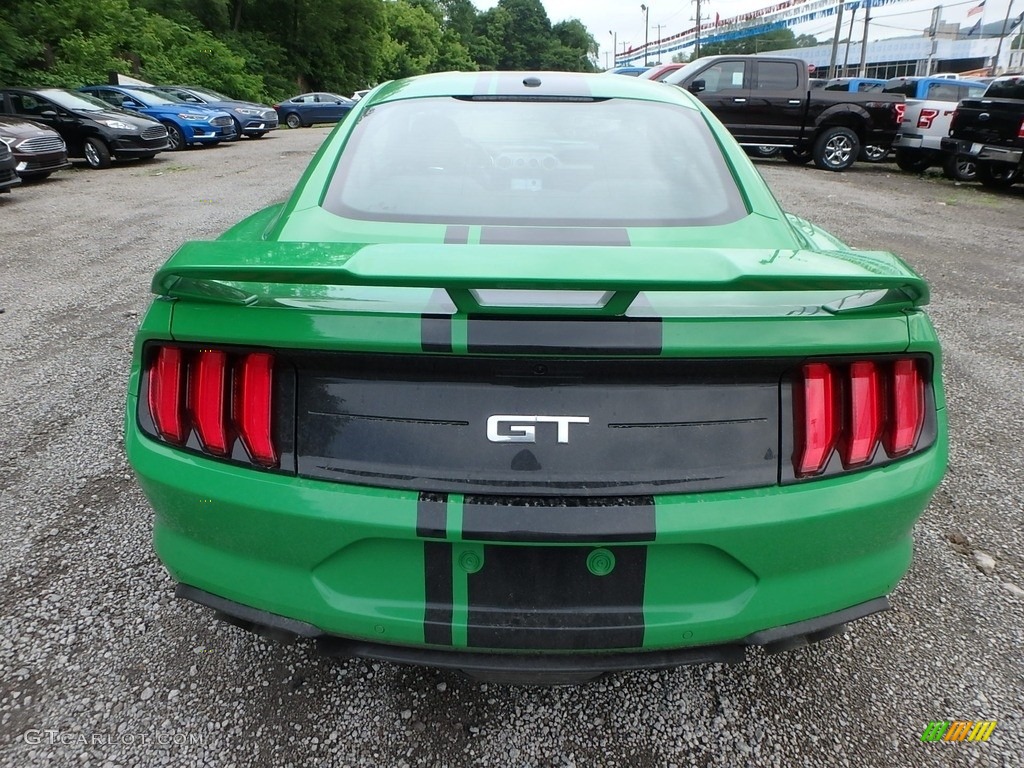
[773, 40]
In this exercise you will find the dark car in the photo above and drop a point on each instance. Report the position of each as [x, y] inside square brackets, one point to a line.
[186, 124]
[309, 108]
[251, 119]
[91, 129]
[8, 178]
[38, 151]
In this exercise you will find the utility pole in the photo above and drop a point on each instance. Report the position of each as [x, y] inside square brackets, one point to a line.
[933, 30]
[615, 47]
[659, 41]
[864, 45]
[647, 29]
[849, 36]
[835, 42]
[696, 52]
[999, 45]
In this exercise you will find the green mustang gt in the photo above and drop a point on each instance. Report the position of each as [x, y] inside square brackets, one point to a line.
[532, 378]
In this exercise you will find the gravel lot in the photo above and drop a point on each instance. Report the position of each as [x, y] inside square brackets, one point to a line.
[101, 666]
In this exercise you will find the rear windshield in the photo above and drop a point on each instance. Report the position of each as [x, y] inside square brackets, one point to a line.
[907, 87]
[615, 162]
[1011, 88]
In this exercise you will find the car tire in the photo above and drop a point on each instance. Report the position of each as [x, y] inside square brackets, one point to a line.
[997, 175]
[762, 151]
[175, 137]
[238, 130]
[97, 154]
[836, 149]
[873, 153]
[796, 156]
[959, 168]
[913, 160]
[292, 120]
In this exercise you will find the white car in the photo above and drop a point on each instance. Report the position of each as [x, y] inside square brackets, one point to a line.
[930, 104]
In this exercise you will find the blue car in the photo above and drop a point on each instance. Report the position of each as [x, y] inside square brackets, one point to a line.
[309, 108]
[186, 124]
[251, 119]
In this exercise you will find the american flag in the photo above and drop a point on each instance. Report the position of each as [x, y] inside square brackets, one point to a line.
[979, 8]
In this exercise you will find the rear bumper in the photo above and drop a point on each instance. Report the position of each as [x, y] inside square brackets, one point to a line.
[710, 569]
[535, 667]
[985, 152]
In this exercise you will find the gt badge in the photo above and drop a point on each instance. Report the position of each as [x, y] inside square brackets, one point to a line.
[520, 429]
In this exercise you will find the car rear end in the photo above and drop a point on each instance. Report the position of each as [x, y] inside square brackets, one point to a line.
[545, 447]
[990, 130]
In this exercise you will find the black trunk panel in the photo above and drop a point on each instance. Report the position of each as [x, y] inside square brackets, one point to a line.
[655, 426]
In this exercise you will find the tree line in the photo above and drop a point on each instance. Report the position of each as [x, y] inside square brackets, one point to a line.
[269, 49]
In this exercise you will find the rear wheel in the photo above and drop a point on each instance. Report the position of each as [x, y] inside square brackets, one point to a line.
[796, 156]
[873, 153]
[913, 160]
[97, 155]
[292, 120]
[997, 175]
[959, 168]
[836, 149]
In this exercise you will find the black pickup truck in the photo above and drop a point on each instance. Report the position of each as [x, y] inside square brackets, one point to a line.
[766, 101]
[990, 131]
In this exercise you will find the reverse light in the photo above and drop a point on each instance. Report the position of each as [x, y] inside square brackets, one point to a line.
[815, 418]
[853, 408]
[864, 414]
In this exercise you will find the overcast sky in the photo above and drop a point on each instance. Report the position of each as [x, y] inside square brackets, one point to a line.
[626, 20]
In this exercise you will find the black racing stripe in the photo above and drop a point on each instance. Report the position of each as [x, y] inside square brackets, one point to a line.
[432, 515]
[554, 236]
[545, 598]
[436, 333]
[606, 336]
[456, 235]
[558, 520]
[437, 578]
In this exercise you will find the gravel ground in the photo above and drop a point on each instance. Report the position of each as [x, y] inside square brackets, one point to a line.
[101, 666]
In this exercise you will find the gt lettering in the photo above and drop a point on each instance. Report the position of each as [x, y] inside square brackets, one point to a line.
[508, 428]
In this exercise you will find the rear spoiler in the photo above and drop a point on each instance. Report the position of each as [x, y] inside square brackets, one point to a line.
[231, 271]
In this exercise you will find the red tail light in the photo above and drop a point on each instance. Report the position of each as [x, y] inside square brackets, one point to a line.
[927, 117]
[900, 110]
[254, 379]
[166, 394]
[206, 399]
[203, 406]
[816, 419]
[853, 408]
[864, 414]
[906, 408]
[1020, 130]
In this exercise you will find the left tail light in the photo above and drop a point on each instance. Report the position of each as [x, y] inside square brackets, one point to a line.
[212, 400]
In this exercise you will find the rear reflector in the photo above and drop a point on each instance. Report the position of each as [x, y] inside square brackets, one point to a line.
[206, 399]
[228, 396]
[815, 419]
[854, 407]
[254, 379]
[165, 394]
